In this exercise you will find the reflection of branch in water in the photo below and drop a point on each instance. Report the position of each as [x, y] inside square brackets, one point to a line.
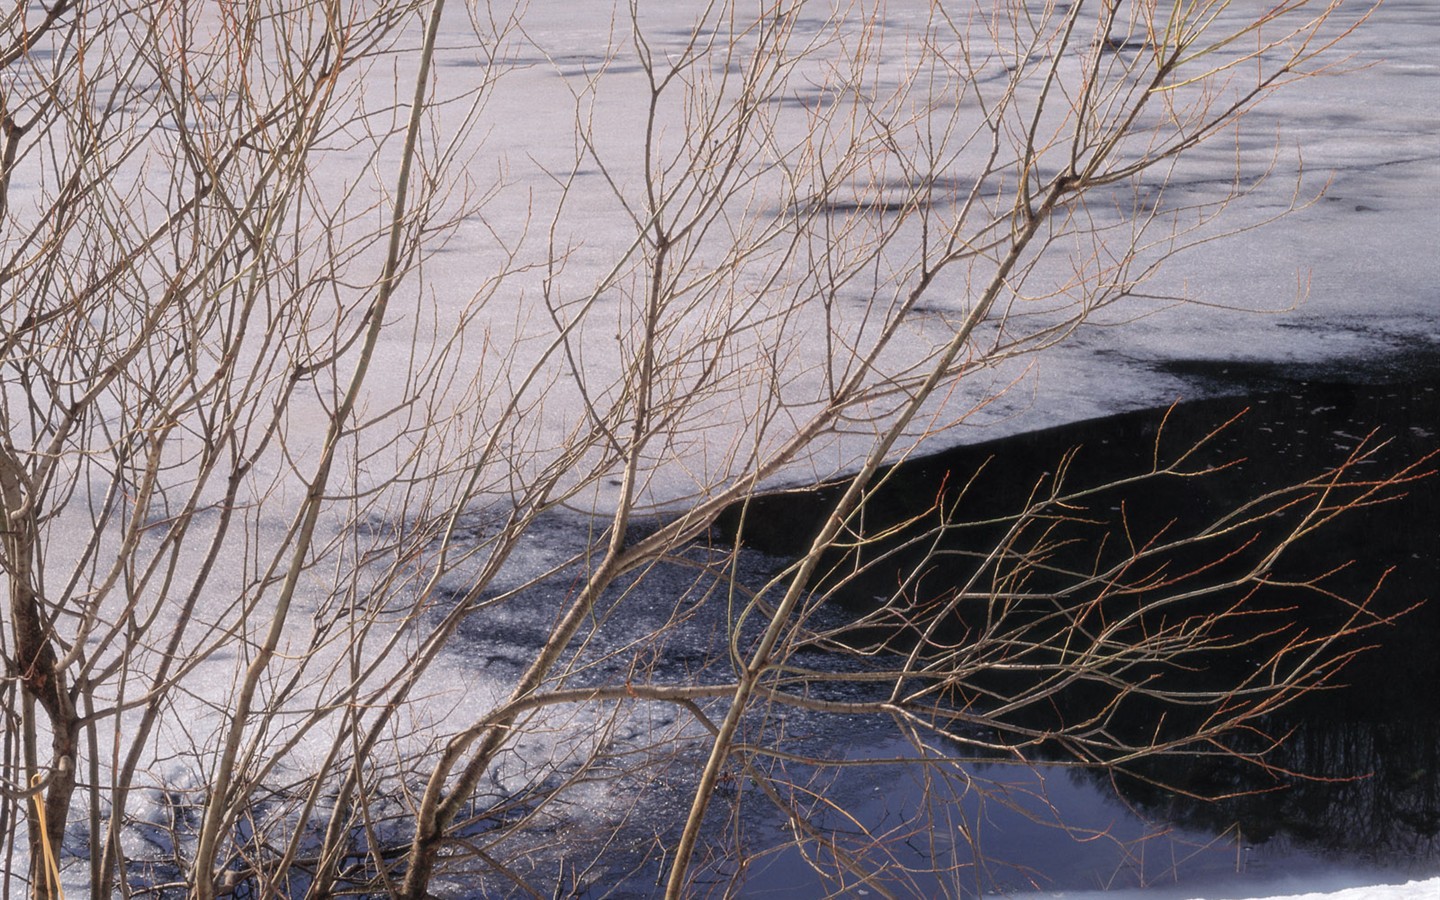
[1165, 581]
[1366, 790]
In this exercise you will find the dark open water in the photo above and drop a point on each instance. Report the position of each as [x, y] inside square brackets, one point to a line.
[1366, 751]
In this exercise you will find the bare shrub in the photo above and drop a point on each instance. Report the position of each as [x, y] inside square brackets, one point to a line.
[314, 357]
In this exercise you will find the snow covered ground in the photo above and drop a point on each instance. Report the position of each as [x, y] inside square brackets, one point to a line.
[1426, 889]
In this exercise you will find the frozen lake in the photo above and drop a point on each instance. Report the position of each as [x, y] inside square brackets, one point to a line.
[307, 454]
[1345, 280]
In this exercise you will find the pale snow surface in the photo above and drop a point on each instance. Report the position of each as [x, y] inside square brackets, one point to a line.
[1427, 889]
[1347, 279]
[1350, 277]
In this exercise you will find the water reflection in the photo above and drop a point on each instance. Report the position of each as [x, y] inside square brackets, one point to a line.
[1367, 791]
[1352, 777]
